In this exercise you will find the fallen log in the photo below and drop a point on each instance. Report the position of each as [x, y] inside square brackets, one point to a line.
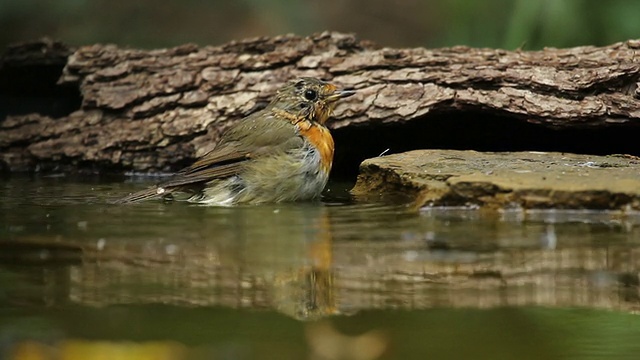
[105, 108]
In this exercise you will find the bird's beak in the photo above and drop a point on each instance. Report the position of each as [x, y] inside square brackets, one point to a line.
[340, 94]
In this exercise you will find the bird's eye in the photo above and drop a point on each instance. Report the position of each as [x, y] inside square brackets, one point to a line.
[310, 95]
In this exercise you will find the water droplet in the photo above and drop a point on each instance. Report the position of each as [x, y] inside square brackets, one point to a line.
[411, 255]
[45, 254]
[171, 249]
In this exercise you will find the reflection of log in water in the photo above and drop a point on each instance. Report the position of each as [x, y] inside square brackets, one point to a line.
[263, 258]
[361, 277]
[287, 260]
[605, 278]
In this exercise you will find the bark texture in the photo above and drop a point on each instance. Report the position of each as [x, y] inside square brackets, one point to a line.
[111, 108]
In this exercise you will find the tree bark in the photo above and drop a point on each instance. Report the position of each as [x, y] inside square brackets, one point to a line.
[107, 108]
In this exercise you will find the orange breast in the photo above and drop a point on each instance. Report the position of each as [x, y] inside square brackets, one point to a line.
[320, 137]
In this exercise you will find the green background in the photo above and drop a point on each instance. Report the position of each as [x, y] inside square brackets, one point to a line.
[528, 24]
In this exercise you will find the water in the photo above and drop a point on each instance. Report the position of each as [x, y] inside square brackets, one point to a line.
[83, 279]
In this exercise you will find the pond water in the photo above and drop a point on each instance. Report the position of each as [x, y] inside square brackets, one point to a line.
[338, 279]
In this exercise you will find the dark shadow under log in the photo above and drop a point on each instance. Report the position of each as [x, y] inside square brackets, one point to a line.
[479, 131]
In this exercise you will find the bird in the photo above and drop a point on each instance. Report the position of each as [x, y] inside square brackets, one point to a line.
[282, 153]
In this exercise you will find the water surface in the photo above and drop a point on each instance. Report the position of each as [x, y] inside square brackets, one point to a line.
[81, 278]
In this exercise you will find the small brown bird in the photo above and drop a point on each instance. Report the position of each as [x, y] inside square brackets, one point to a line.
[281, 153]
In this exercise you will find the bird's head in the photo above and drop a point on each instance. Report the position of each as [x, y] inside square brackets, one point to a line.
[309, 98]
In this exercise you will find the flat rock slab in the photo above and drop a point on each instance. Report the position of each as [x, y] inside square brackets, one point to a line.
[504, 180]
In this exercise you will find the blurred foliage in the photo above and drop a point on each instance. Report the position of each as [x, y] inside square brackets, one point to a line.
[509, 24]
[147, 331]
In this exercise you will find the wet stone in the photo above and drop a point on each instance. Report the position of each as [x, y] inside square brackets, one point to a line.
[527, 180]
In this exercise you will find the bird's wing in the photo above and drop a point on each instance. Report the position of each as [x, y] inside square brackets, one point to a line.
[224, 161]
[257, 135]
[253, 137]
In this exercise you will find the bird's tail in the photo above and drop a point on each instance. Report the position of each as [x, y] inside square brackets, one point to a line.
[145, 194]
